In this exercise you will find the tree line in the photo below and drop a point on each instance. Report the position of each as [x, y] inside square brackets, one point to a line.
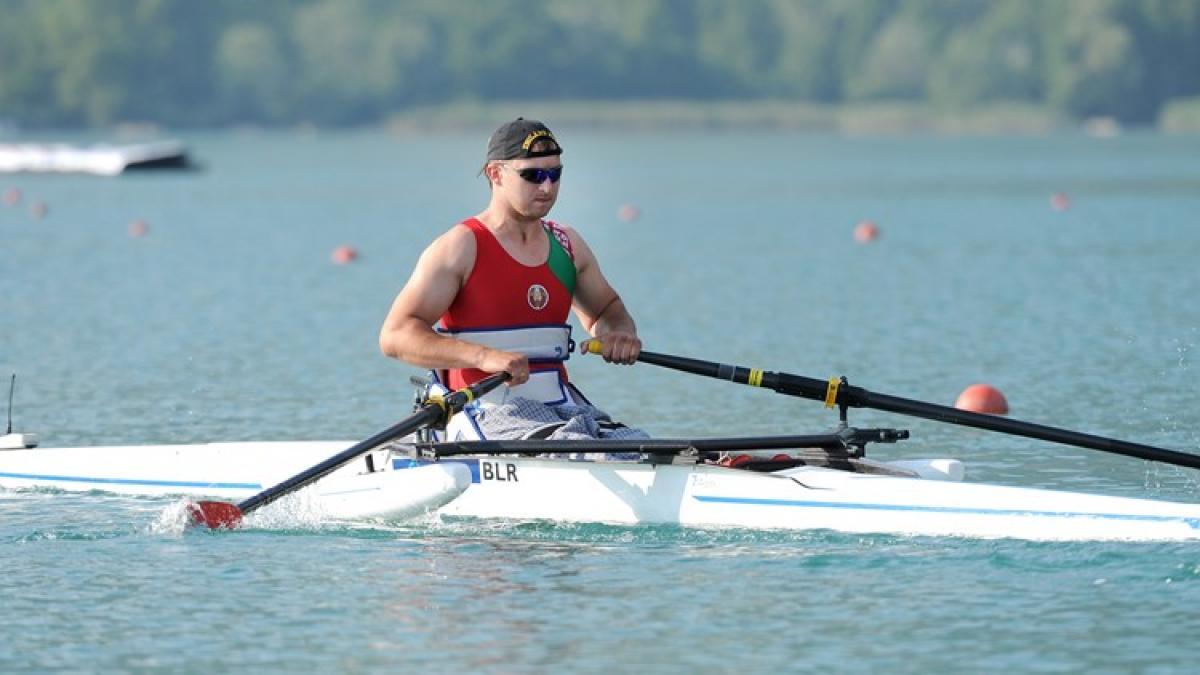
[188, 63]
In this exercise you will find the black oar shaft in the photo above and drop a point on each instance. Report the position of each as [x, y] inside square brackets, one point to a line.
[795, 385]
[833, 392]
[428, 414]
[941, 413]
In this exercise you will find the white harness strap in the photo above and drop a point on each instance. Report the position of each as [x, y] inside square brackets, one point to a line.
[544, 344]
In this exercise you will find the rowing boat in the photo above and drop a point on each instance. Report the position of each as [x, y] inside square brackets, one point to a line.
[817, 482]
[399, 481]
[100, 160]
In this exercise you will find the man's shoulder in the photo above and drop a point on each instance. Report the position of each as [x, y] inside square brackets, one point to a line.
[454, 248]
[562, 230]
[563, 234]
[457, 235]
[556, 226]
[574, 242]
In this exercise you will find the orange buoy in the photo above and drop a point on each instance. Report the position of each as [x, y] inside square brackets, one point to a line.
[12, 197]
[865, 232]
[138, 228]
[629, 213]
[1059, 201]
[344, 254]
[982, 398]
[39, 210]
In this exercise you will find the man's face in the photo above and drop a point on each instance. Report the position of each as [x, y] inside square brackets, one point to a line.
[516, 182]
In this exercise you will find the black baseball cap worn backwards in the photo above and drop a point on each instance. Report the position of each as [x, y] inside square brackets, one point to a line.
[515, 140]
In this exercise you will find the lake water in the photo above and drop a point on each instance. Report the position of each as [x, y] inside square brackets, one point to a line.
[228, 321]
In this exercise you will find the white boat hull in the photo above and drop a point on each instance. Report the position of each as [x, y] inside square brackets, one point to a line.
[803, 498]
[234, 471]
[809, 498]
[100, 160]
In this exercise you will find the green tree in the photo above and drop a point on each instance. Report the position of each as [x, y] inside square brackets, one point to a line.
[253, 73]
[1092, 65]
[896, 63]
[993, 59]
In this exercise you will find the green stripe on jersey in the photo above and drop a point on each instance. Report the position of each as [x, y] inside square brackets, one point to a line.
[560, 263]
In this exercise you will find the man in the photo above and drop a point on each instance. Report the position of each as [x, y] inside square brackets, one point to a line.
[499, 287]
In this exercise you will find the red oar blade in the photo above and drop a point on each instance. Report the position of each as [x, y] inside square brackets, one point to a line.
[215, 515]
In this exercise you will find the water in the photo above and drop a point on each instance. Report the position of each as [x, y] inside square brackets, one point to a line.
[228, 322]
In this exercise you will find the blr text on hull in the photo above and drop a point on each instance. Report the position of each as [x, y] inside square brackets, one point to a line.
[391, 484]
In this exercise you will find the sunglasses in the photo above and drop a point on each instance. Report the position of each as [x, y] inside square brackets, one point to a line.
[539, 176]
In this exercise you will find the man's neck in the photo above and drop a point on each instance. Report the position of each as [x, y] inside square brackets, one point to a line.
[503, 222]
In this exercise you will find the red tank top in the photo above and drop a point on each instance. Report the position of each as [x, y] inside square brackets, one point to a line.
[500, 293]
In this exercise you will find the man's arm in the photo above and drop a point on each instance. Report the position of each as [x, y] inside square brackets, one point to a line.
[600, 309]
[407, 333]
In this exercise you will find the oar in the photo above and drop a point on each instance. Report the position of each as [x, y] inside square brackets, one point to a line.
[224, 514]
[837, 392]
[840, 441]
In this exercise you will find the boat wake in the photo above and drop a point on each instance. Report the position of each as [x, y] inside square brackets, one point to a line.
[1169, 482]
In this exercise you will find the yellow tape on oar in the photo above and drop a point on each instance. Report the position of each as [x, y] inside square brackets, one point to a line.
[831, 392]
[755, 377]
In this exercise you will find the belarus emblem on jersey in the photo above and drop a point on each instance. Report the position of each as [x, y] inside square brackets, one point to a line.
[538, 296]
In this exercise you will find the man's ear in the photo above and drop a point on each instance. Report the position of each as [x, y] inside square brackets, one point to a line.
[493, 171]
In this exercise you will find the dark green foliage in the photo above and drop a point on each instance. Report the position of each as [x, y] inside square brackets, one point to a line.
[348, 62]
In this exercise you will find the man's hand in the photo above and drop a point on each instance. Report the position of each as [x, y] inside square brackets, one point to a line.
[516, 365]
[620, 347]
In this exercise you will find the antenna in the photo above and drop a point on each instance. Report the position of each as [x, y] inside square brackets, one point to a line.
[9, 440]
[12, 386]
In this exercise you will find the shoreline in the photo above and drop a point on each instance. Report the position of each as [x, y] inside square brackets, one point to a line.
[889, 118]
[651, 115]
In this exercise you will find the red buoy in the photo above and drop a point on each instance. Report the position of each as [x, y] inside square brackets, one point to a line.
[138, 228]
[344, 254]
[1059, 201]
[982, 398]
[12, 197]
[866, 231]
[629, 213]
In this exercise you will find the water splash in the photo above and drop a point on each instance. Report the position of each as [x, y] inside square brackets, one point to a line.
[299, 511]
[172, 520]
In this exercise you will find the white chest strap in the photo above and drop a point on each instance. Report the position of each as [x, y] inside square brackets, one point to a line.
[542, 345]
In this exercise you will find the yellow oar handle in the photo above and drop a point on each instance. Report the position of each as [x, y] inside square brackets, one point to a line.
[591, 347]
